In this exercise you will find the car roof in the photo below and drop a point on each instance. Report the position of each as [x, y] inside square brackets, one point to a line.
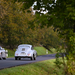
[22, 45]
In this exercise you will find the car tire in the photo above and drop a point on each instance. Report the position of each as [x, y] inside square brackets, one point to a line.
[19, 58]
[32, 57]
[1, 57]
[15, 58]
[4, 58]
[35, 57]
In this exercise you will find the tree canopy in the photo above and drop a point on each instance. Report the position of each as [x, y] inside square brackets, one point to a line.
[61, 15]
[17, 27]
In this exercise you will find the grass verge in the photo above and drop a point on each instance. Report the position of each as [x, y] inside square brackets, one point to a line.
[41, 50]
[46, 67]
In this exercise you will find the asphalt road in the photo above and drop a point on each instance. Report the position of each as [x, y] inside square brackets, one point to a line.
[11, 62]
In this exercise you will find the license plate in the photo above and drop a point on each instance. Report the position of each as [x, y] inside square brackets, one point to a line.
[23, 49]
[23, 53]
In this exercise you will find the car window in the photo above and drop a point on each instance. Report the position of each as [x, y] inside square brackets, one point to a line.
[23, 49]
[24, 46]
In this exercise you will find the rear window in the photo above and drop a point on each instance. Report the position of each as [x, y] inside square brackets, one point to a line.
[24, 46]
[23, 49]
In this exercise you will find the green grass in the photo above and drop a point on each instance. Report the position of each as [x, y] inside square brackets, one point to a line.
[46, 67]
[41, 50]
[11, 53]
[53, 50]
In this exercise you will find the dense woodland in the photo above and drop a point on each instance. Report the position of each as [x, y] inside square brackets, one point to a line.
[18, 25]
[21, 27]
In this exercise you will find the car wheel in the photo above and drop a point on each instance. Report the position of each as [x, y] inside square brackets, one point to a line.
[4, 58]
[15, 58]
[35, 57]
[19, 58]
[32, 57]
[1, 57]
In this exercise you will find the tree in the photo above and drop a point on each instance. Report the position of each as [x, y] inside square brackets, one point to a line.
[19, 27]
[47, 38]
[8, 26]
[61, 14]
[14, 24]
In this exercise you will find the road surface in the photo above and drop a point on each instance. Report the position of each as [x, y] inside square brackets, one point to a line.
[11, 62]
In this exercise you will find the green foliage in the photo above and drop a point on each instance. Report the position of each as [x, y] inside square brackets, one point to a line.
[11, 53]
[47, 38]
[14, 25]
[18, 27]
[60, 55]
[61, 15]
[71, 56]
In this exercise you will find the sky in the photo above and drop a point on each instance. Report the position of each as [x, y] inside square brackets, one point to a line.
[39, 10]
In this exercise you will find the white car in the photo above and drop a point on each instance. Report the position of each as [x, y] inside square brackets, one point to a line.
[25, 51]
[2, 53]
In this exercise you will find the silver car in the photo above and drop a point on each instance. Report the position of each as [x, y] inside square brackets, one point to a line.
[25, 51]
[2, 53]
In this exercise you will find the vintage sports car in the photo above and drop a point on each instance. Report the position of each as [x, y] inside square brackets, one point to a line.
[2, 53]
[25, 51]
